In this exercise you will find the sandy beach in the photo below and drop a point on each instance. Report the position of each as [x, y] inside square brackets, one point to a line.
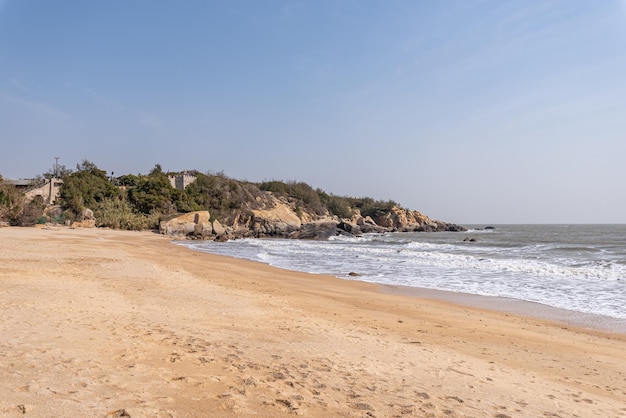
[102, 323]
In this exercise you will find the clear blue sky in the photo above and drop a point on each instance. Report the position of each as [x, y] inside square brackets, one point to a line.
[469, 111]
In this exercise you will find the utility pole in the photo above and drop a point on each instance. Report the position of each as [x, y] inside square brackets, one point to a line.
[56, 167]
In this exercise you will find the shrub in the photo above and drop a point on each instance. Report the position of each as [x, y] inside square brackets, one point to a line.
[128, 180]
[118, 213]
[32, 212]
[11, 202]
[373, 208]
[85, 188]
[153, 192]
[218, 194]
[339, 206]
[304, 195]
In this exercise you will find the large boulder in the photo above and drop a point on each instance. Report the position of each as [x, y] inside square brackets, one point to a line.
[87, 223]
[321, 230]
[218, 229]
[87, 220]
[349, 227]
[372, 228]
[87, 215]
[193, 224]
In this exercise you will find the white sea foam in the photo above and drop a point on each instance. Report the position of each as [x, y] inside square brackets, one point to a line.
[587, 275]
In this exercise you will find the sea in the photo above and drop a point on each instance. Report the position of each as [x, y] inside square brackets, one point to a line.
[577, 268]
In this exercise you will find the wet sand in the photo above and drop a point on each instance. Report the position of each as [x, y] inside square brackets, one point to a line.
[515, 306]
[112, 323]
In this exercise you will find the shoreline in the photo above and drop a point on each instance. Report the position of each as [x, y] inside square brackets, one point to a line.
[514, 306]
[502, 304]
[115, 323]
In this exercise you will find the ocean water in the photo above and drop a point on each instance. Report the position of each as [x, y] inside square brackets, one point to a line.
[575, 267]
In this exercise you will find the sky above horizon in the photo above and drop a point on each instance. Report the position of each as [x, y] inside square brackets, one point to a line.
[470, 111]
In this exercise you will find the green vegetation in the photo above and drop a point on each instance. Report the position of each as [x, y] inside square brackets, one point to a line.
[306, 198]
[85, 188]
[153, 193]
[32, 212]
[118, 213]
[139, 201]
[128, 180]
[60, 172]
[11, 202]
[14, 209]
[370, 207]
[320, 202]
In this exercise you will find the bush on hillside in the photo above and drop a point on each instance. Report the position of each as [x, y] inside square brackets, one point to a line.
[128, 180]
[339, 206]
[32, 212]
[153, 193]
[218, 194]
[11, 202]
[118, 213]
[304, 195]
[370, 207]
[84, 188]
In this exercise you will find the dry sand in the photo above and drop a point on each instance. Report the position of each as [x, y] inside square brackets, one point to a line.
[99, 323]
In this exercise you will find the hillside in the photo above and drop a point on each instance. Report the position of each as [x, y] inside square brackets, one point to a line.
[230, 208]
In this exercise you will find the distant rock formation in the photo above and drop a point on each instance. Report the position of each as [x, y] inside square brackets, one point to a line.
[404, 220]
[277, 218]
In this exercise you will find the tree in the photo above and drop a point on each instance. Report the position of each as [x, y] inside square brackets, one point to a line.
[11, 202]
[85, 187]
[61, 171]
[153, 192]
[129, 180]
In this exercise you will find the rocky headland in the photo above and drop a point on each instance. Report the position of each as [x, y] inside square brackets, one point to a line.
[208, 206]
[278, 217]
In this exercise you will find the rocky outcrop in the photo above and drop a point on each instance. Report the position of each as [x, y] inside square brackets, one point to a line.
[192, 224]
[280, 220]
[404, 220]
[367, 225]
[350, 228]
[275, 217]
[320, 230]
[270, 217]
[277, 220]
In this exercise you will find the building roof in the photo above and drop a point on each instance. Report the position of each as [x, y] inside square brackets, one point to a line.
[20, 182]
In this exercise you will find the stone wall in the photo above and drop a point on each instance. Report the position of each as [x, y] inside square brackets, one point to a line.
[181, 181]
[49, 190]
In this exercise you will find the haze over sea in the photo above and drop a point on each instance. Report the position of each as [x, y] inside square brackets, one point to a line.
[574, 267]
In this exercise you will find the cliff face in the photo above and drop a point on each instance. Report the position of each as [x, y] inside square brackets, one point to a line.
[278, 217]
